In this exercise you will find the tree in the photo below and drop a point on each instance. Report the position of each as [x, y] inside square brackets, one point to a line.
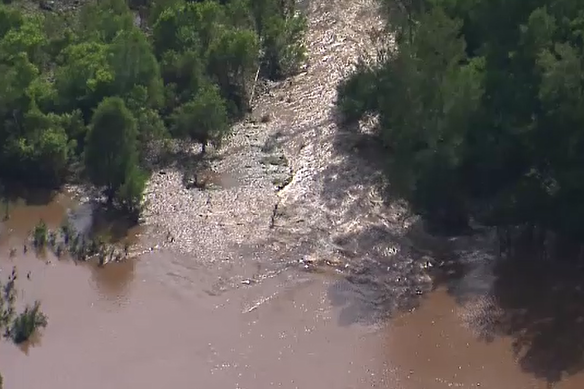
[129, 194]
[483, 122]
[203, 119]
[133, 63]
[103, 20]
[193, 57]
[187, 25]
[85, 77]
[26, 323]
[27, 38]
[9, 19]
[111, 146]
[232, 61]
[281, 30]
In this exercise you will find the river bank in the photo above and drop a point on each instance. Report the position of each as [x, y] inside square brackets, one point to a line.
[285, 271]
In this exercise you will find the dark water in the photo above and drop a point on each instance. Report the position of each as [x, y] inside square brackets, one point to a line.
[155, 321]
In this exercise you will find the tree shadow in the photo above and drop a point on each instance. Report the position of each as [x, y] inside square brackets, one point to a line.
[34, 341]
[95, 218]
[391, 274]
[187, 158]
[359, 159]
[386, 263]
[539, 305]
[536, 303]
[19, 193]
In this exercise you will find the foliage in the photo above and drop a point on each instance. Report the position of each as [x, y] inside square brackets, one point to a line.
[129, 194]
[482, 122]
[203, 119]
[19, 327]
[27, 322]
[40, 234]
[110, 151]
[67, 78]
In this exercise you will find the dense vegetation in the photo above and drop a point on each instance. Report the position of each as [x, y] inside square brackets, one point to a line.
[481, 110]
[91, 87]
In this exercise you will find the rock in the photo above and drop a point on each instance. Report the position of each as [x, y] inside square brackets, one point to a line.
[206, 179]
[277, 160]
[47, 5]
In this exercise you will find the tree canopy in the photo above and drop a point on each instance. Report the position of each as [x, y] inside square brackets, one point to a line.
[95, 86]
[480, 109]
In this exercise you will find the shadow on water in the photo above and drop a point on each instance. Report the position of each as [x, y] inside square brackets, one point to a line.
[34, 341]
[18, 193]
[94, 219]
[538, 304]
[387, 269]
[91, 219]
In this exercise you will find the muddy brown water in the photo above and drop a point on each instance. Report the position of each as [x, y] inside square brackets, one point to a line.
[154, 320]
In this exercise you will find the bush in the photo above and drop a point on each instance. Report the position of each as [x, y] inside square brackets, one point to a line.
[27, 323]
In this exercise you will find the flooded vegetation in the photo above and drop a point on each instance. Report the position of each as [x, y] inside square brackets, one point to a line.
[284, 258]
[66, 240]
[18, 326]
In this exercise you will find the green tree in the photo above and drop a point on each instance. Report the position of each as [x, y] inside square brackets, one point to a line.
[483, 122]
[104, 19]
[188, 25]
[9, 19]
[133, 63]
[233, 58]
[85, 77]
[194, 57]
[281, 30]
[26, 323]
[111, 146]
[27, 38]
[129, 194]
[203, 119]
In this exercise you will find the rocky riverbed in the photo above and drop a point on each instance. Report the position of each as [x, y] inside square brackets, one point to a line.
[291, 184]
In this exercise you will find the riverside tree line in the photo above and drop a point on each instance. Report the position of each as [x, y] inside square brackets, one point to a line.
[92, 88]
[481, 111]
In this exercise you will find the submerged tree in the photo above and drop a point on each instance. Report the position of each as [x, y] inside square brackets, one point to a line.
[18, 327]
[40, 234]
[27, 322]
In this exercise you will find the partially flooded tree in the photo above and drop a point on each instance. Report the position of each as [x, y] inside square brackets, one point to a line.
[40, 234]
[111, 151]
[27, 322]
[18, 327]
[129, 194]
